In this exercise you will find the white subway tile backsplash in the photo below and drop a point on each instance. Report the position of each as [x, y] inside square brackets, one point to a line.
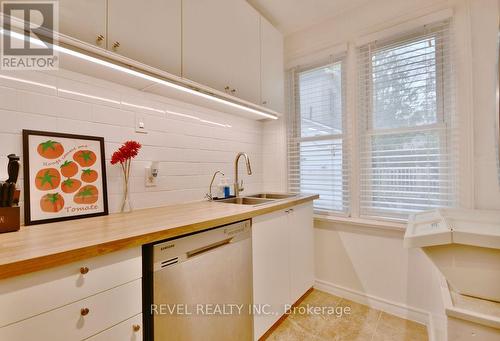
[32, 102]
[29, 81]
[113, 116]
[8, 99]
[189, 148]
[76, 110]
[14, 121]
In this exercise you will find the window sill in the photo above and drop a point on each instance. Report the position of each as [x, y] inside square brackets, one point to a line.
[385, 225]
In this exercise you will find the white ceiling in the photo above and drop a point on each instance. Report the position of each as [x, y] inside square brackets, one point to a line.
[294, 15]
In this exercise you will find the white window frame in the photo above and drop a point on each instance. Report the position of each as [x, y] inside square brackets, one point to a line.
[296, 137]
[440, 125]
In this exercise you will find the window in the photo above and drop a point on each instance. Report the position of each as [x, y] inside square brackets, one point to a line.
[406, 120]
[316, 145]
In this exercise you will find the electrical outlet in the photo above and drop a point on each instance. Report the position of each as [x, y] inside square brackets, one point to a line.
[140, 124]
[152, 172]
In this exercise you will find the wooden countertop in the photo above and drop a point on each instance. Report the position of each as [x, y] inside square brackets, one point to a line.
[44, 246]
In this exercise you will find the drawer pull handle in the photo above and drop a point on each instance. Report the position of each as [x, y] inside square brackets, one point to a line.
[99, 39]
[84, 311]
[136, 327]
[84, 270]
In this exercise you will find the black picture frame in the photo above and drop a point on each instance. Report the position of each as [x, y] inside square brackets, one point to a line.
[28, 185]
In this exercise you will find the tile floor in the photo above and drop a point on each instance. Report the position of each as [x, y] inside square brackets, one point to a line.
[361, 324]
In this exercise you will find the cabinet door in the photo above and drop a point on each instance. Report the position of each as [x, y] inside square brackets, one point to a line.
[83, 20]
[300, 222]
[221, 46]
[271, 274]
[271, 67]
[148, 31]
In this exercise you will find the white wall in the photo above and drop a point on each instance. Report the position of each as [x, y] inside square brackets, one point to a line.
[369, 261]
[274, 152]
[189, 150]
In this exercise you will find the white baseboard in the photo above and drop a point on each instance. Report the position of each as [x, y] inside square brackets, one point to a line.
[390, 307]
[437, 328]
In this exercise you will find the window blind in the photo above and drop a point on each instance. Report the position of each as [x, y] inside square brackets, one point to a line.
[317, 161]
[407, 124]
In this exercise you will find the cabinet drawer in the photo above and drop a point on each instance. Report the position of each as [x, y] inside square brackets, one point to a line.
[122, 332]
[32, 294]
[69, 323]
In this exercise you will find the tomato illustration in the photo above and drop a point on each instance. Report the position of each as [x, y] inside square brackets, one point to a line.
[70, 185]
[52, 203]
[89, 175]
[47, 179]
[85, 158]
[86, 195]
[50, 149]
[69, 169]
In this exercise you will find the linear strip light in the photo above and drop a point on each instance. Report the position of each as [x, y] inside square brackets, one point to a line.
[113, 101]
[138, 74]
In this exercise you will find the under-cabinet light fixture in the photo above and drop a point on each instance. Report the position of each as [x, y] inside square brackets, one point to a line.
[139, 74]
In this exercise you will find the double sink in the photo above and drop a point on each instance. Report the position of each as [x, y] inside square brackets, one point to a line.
[256, 199]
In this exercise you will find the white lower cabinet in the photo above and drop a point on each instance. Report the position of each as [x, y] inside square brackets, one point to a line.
[301, 250]
[73, 301]
[128, 330]
[283, 268]
[80, 319]
[271, 269]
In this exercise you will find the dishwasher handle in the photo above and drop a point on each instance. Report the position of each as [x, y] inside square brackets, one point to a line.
[208, 247]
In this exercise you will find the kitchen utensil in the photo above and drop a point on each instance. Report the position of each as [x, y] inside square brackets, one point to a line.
[17, 196]
[13, 168]
[10, 196]
[4, 192]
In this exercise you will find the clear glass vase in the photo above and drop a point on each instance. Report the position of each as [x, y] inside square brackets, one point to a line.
[126, 205]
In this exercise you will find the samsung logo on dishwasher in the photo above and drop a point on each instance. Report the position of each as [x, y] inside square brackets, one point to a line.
[166, 247]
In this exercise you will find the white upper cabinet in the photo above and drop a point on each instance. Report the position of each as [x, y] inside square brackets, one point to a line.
[272, 73]
[84, 20]
[221, 46]
[148, 31]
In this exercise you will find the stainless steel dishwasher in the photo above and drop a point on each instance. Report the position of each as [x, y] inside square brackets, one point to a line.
[202, 286]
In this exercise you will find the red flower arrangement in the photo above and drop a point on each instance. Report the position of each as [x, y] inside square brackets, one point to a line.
[124, 156]
[127, 151]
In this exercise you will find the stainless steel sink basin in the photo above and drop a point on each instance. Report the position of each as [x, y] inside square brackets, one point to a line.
[274, 196]
[245, 201]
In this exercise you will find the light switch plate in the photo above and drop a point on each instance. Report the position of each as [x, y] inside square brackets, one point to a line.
[140, 124]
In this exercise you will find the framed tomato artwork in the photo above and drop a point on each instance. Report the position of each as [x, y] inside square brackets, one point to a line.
[64, 177]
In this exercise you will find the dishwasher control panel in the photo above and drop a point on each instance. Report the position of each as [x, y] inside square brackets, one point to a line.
[172, 252]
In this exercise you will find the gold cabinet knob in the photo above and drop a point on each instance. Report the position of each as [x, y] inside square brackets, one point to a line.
[226, 88]
[84, 311]
[136, 327]
[84, 270]
[116, 45]
[99, 39]
[233, 91]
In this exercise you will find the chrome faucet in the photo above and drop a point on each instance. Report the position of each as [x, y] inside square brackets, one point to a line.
[209, 195]
[238, 187]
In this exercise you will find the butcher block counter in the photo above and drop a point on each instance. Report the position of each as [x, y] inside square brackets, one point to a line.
[45, 246]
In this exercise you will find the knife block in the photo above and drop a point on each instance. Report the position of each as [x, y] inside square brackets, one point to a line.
[10, 219]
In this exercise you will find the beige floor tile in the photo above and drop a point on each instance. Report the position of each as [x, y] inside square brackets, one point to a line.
[358, 325]
[393, 328]
[290, 331]
[362, 324]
